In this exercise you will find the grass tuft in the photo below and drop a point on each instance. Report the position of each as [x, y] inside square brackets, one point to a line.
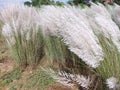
[38, 80]
[9, 77]
[29, 52]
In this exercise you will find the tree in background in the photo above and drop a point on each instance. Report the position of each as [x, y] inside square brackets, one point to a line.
[27, 3]
[41, 2]
[38, 3]
[117, 1]
[58, 3]
[76, 2]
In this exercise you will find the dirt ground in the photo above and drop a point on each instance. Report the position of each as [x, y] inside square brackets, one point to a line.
[6, 62]
[58, 87]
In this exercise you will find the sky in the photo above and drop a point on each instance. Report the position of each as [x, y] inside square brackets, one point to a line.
[8, 2]
[61, 0]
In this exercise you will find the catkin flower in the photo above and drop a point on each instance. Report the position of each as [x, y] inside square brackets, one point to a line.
[68, 79]
[112, 83]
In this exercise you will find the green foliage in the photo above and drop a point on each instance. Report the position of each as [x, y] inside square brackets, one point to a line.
[9, 77]
[38, 3]
[58, 3]
[57, 51]
[77, 2]
[117, 1]
[27, 3]
[0, 30]
[12, 88]
[110, 66]
[38, 80]
[54, 48]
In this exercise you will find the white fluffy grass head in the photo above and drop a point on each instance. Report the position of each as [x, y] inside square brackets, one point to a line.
[70, 80]
[101, 21]
[20, 19]
[112, 83]
[71, 23]
[115, 13]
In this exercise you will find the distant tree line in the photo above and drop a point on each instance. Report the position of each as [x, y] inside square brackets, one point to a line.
[38, 3]
[76, 2]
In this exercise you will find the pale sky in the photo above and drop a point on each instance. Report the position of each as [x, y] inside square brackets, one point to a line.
[61, 0]
[8, 2]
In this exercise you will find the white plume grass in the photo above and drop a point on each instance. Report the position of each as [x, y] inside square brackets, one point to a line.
[112, 83]
[23, 34]
[81, 30]
[102, 23]
[71, 24]
[21, 19]
[115, 13]
[68, 22]
[70, 80]
[108, 34]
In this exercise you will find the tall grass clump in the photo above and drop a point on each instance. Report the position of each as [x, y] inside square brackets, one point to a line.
[99, 15]
[75, 30]
[110, 66]
[84, 39]
[23, 34]
[58, 53]
[56, 49]
[108, 34]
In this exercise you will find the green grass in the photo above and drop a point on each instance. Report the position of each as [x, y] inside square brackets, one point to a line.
[56, 51]
[9, 77]
[38, 80]
[12, 88]
[110, 66]
[54, 48]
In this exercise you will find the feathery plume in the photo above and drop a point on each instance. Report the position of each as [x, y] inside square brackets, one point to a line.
[19, 19]
[68, 79]
[71, 24]
[112, 83]
[101, 21]
[115, 13]
[7, 32]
